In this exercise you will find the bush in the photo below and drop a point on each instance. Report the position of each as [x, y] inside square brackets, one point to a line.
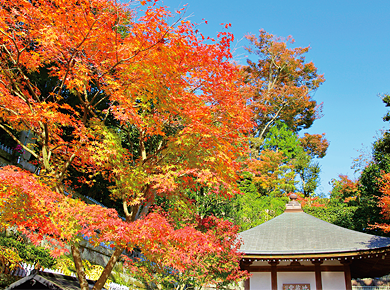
[28, 252]
[9, 260]
[7, 279]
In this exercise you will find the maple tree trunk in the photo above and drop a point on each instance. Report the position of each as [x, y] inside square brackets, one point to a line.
[107, 270]
[79, 268]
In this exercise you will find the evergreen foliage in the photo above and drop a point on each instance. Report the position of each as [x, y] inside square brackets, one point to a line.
[28, 252]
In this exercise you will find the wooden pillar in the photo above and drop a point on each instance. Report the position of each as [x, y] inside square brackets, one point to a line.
[317, 268]
[274, 275]
[247, 284]
[245, 265]
[347, 275]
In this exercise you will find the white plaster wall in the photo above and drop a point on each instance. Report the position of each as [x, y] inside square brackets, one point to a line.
[297, 277]
[260, 281]
[333, 281]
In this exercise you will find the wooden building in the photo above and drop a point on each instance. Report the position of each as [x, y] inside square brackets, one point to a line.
[296, 251]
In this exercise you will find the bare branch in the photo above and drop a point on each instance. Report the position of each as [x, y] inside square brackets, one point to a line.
[19, 142]
[272, 120]
[66, 166]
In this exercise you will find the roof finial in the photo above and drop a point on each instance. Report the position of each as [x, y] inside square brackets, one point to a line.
[293, 205]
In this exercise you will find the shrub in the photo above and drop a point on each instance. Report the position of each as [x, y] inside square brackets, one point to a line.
[28, 252]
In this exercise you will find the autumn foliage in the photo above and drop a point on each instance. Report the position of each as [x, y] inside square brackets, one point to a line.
[271, 173]
[346, 189]
[282, 84]
[38, 211]
[197, 248]
[314, 144]
[384, 203]
[146, 103]
[310, 201]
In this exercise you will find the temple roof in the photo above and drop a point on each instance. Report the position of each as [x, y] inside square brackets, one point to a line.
[297, 236]
[43, 280]
[297, 233]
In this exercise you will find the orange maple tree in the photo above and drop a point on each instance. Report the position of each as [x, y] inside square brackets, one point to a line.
[314, 145]
[311, 201]
[384, 203]
[147, 102]
[346, 189]
[282, 84]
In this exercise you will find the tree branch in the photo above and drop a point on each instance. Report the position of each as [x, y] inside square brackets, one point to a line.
[107, 270]
[66, 165]
[271, 121]
[18, 141]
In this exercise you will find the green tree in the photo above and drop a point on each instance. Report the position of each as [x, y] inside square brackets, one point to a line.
[308, 172]
[369, 187]
[360, 197]
[252, 208]
[281, 139]
[284, 165]
[339, 214]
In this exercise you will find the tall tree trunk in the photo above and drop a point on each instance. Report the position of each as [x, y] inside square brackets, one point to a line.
[79, 268]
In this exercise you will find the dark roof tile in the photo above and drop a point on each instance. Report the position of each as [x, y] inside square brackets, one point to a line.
[300, 233]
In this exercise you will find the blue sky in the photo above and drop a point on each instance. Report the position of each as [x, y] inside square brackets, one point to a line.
[349, 43]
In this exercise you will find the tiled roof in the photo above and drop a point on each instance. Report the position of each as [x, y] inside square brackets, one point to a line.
[43, 280]
[300, 233]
